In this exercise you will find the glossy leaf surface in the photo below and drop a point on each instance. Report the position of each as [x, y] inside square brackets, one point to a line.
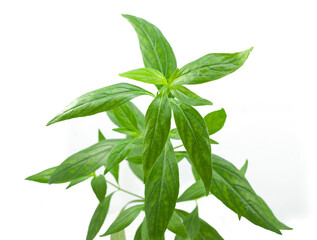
[99, 186]
[147, 75]
[184, 95]
[215, 120]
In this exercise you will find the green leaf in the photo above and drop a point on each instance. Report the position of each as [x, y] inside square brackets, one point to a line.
[118, 236]
[161, 191]
[126, 131]
[99, 186]
[212, 141]
[157, 127]
[176, 226]
[138, 233]
[144, 230]
[78, 180]
[174, 134]
[184, 154]
[193, 132]
[192, 224]
[244, 168]
[206, 232]
[211, 67]
[232, 188]
[101, 137]
[98, 218]
[84, 162]
[125, 218]
[137, 169]
[156, 51]
[147, 75]
[215, 120]
[184, 95]
[118, 153]
[195, 191]
[100, 100]
[42, 177]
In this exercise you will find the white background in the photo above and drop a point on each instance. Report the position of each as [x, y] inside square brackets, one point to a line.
[53, 51]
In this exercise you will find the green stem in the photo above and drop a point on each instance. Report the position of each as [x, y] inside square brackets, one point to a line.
[178, 146]
[123, 190]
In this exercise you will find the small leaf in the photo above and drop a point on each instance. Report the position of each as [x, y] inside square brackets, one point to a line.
[42, 177]
[84, 162]
[157, 127]
[244, 168]
[176, 226]
[174, 134]
[213, 141]
[194, 192]
[125, 218]
[156, 51]
[115, 172]
[98, 218]
[161, 191]
[192, 224]
[193, 132]
[100, 100]
[211, 67]
[184, 95]
[137, 169]
[147, 75]
[78, 180]
[99, 186]
[101, 137]
[215, 120]
[118, 236]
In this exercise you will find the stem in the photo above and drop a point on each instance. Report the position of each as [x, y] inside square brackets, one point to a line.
[123, 190]
[178, 146]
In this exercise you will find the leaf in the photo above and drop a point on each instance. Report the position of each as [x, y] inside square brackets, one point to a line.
[157, 127]
[156, 51]
[101, 137]
[232, 188]
[126, 131]
[176, 226]
[144, 230]
[118, 236]
[118, 153]
[244, 168]
[84, 162]
[147, 75]
[215, 120]
[78, 180]
[184, 95]
[211, 67]
[137, 170]
[100, 100]
[98, 218]
[174, 134]
[212, 141]
[125, 218]
[161, 191]
[184, 154]
[138, 233]
[42, 177]
[206, 232]
[195, 191]
[99, 186]
[192, 224]
[193, 132]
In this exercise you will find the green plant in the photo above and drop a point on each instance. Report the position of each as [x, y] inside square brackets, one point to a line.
[150, 153]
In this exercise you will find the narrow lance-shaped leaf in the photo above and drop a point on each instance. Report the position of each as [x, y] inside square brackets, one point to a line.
[244, 168]
[125, 218]
[161, 191]
[84, 162]
[100, 100]
[211, 67]
[146, 75]
[194, 134]
[78, 180]
[98, 218]
[177, 226]
[215, 120]
[157, 127]
[43, 176]
[192, 224]
[99, 186]
[195, 191]
[156, 51]
[184, 95]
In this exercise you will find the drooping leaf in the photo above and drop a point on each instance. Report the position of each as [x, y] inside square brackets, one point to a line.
[43, 176]
[78, 180]
[161, 191]
[157, 127]
[118, 236]
[156, 51]
[137, 169]
[194, 134]
[192, 224]
[84, 162]
[215, 120]
[98, 218]
[244, 168]
[177, 226]
[147, 75]
[211, 67]
[125, 218]
[195, 191]
[232, 188]
[99, 186]
[100, 100]
[184, 95]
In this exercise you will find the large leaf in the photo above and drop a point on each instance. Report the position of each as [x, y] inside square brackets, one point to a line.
[43, 176]
[156, 51]
[211, 67]
[184, 95]
[177, 226]
[195, 191]
[84, 162]
[100, 100]
[192, 224]
[99, 186]
[125, 218]
[157, 127]
[206, 232]
[98, 218]
[215, 120]
[194, 134]
[147, 75]
[232, 188]
[161, 191]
